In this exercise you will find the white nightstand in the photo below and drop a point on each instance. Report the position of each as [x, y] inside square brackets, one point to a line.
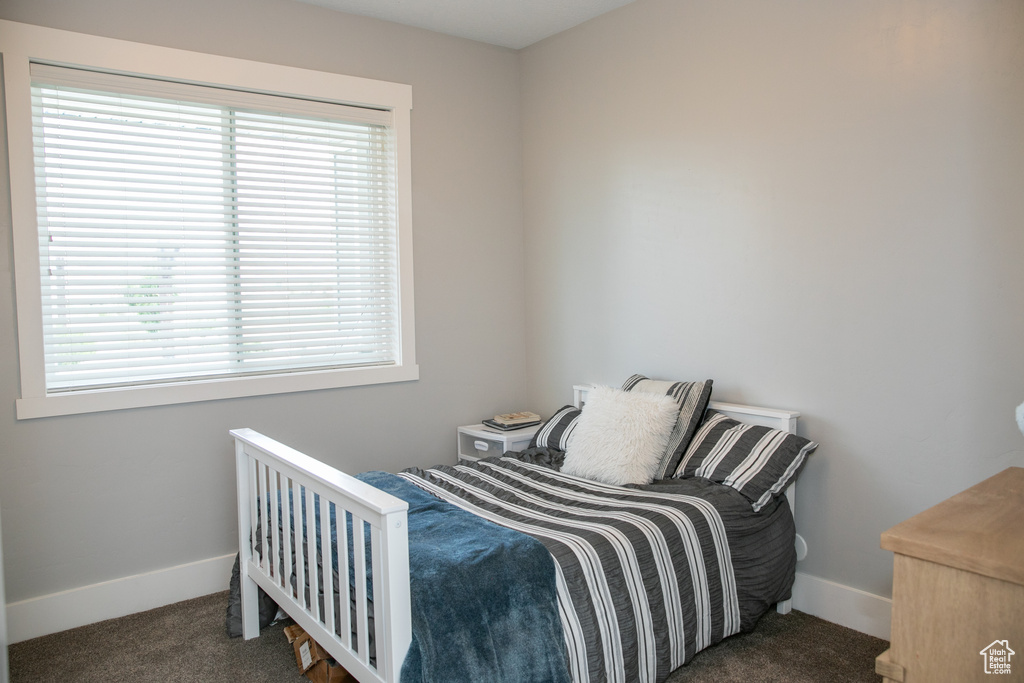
[476, 441]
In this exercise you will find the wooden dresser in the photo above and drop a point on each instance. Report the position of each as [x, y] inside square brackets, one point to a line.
[958, 588]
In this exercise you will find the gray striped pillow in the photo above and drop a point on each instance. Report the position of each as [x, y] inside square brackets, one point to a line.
[759, 462]
[556, 432]
[692, 398]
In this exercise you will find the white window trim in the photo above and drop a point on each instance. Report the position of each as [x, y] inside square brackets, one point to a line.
[21, 43]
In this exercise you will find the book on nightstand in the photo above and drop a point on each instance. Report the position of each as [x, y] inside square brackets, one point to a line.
[508, 421]
[522, 417]
[490, 423]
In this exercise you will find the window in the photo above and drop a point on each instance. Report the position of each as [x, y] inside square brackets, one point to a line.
[184, 239]
[198, 240]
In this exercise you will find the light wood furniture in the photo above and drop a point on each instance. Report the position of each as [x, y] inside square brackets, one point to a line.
[958, 587]
[476, 441]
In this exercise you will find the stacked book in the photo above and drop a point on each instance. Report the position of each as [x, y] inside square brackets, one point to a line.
[509, 421]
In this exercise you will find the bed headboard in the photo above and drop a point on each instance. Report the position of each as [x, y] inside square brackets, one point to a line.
[783, 420]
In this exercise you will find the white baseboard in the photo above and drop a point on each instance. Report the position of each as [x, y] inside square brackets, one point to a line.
[849, 607]
[117, 598]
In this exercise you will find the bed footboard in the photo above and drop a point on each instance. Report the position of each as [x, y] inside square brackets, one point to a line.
[299, 496]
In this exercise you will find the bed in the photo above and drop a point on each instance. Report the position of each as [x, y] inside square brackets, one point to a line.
[574, 578]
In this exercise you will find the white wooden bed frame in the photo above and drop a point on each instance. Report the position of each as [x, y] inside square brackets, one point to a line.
[267, 469]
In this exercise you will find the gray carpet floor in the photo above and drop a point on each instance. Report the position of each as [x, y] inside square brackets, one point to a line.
[186, 643]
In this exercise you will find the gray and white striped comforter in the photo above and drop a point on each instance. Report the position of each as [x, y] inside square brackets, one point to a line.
[645, 578]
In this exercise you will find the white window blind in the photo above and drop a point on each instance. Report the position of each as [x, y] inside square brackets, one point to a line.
[189, 232]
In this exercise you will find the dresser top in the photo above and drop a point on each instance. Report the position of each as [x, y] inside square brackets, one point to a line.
[980, 530]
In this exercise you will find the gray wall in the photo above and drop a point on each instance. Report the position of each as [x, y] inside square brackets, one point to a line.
[820, 205]
[97, 497]
[817, 204]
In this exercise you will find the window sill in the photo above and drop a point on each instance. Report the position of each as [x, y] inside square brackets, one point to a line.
[207, 390]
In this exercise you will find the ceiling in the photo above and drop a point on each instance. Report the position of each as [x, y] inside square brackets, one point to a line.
[508, 23]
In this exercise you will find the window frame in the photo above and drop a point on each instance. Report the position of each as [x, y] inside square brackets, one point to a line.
[22, 44]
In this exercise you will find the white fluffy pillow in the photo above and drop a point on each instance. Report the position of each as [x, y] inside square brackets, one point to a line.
[621, 436]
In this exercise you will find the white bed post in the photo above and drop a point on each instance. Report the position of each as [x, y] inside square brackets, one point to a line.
[394, 550]
[246, 527]
[786, 606]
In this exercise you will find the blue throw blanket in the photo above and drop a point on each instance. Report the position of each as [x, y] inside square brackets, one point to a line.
[484, 601]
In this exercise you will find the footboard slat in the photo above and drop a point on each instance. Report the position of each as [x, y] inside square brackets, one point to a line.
[328, 563]
[264, 508]
[359, 564]
[286, 534]
[252, 490]
[286, 488]
[344, 590]
[376, 561]
[314, 563]
[274, 549]
[298, 533]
